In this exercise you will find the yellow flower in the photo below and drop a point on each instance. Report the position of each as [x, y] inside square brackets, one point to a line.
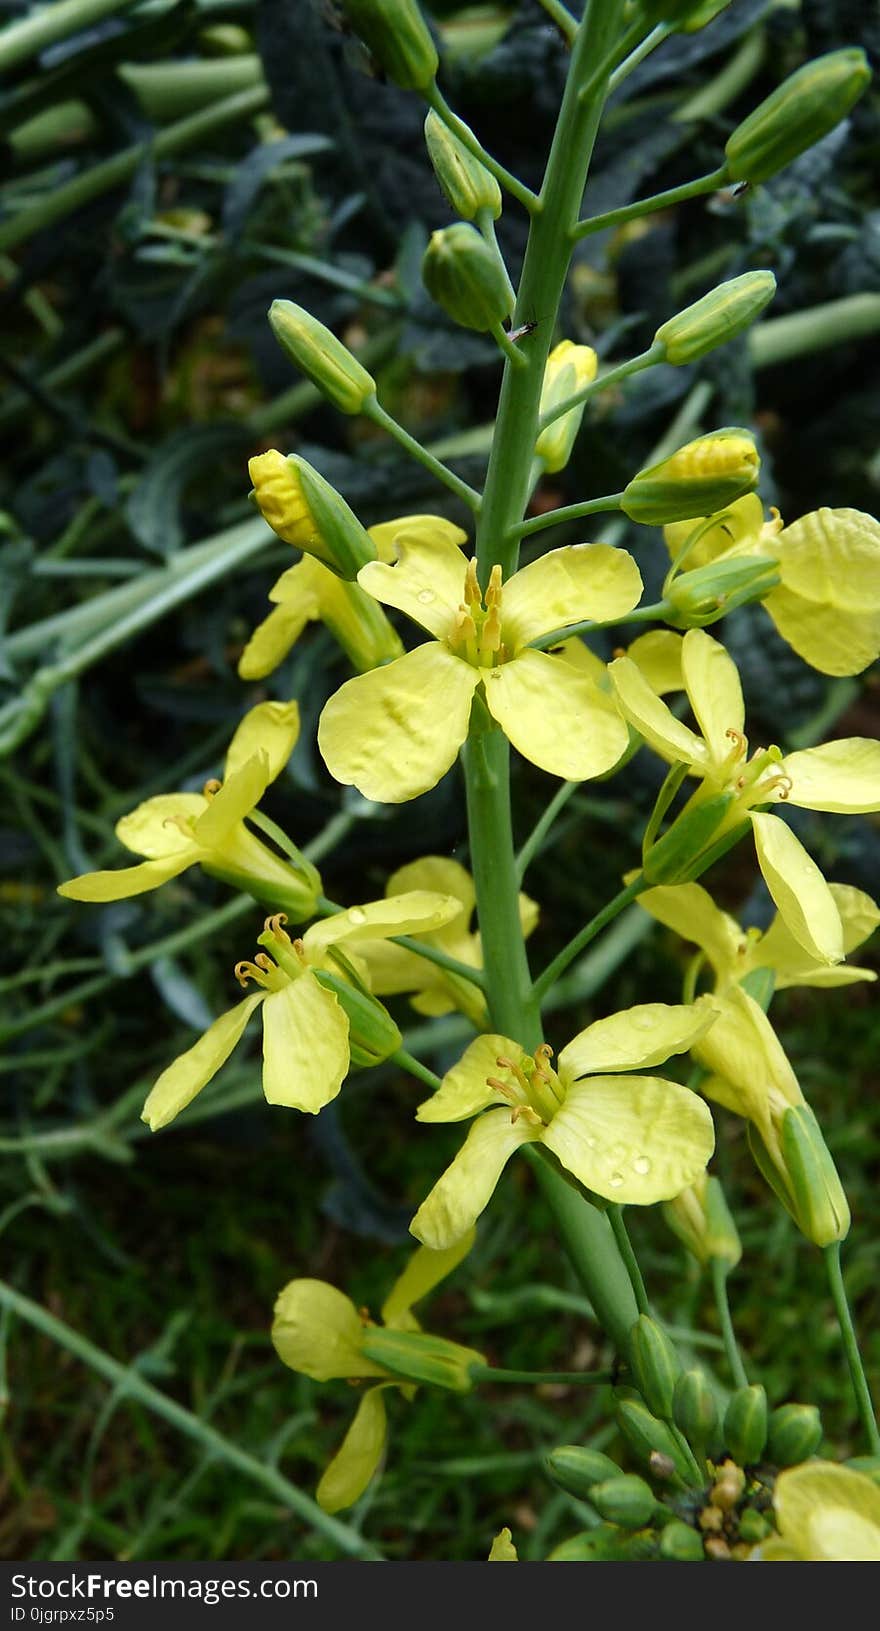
[841, 776]
[633, 1139]
[179, 830]
[827, 604]
[309, 592]
[318, 1331]
[503, 1549]
[825, 1513]
[394, 732]
[306, 1042]
[733, 952]
[393, 969]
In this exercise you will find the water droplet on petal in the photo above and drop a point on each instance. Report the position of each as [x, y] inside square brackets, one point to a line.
[645, 1022]
[591, 1143]
[425, 596]
[641, 1165]
[357, 915]
[616, 1180]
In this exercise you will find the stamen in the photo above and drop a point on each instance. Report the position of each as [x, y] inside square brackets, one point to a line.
[472, 585]
[245, 971]
[211, 788]
[493, 588]
[504, 1088]
[274, 925]
[529, 1114]
[739, 741]
[264, 962]
[515, 1070]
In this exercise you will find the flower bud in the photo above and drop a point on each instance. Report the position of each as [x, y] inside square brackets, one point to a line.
[576, 1469]
[679, 1543]
[702, 477]
[467, 278]
[795, 1434]
[420, 1357]
[819, 1205]
[745, 1425]
[606, 1543]
[306, 511]
[753, 1526]
[321, 357]
[569, 368]
[695, 1411]
[282, 886]
[702, 1220]
[798, 113]
[626, 1500]
[716, 318]
[373, 1035]
[467, 184]
[700, 597]
[655, 1365]
[396, 34]
[647, 1437]
[675, 857]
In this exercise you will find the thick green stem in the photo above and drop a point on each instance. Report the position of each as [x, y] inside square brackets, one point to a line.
[864, 1403]
[719, 1271]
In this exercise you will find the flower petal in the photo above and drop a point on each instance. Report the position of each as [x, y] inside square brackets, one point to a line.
[467, 1186]
[272, 727]
[833, 556]
[658, 725]
[412, 913]
[178, 1085]
[557, 719]
[793, 966]
[463, 1090]
[802, 1493]
[429, 527]
[427, 581]
[237, 797]
[346, 1477]
[423, 1272]
[272, 639]
[157, 828]
[305, 1045]
[841, 776]
[394, 732]
[502, 1549]
[714, 691]
[690, 911]
[127, 881]
[832, 641]
[798, 888]
[566, 586]
[635, 1039]
[440, 874]
[633, 1139]
[317, 1331]
[743, 1050]
[658, 656]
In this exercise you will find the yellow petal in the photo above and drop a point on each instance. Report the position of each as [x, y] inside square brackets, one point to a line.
[438, 873]
[423, 1272]
[652, 719]
[430, 527]
[157, 828]
[346, 1477]
[237, 797]
[832, 641]
[569, 586]
[317, 1331]
[841, 776]
[658, 656]
[271, 727]
[576, 652]
[690, 911]
[859, 914]
[712, 683]
[833, 556]
[467, 1186]
[463, 1090]
[427, 581]
[503, 1549]
[392, 970]
[798, 888]
[633, 1139]
[839, 1535]
[272, 639]
[802, 1493]
[412, 913]
[560, 721]
[740, 524]
[793, 966]
[394, 732]
[128, 880]
[636, 1038]
[305, 1045]
[178, 1085]
[744, 1052]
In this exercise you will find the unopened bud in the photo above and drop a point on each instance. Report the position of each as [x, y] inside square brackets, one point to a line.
[396, 34]
[655, 1365]
[648, 1437]
[795, 1434]
[306, 511]
[420, 1357]
[467, 278]
[569, 368]
[576, 1468]
[745, 1425]
[704, 476]
[803, 109]
[372, 1035]
[819, 1205]
[321, 357]
[702, 1220]
[695, 1411]
[675, 858]
[700, 597]
[718, 317]
[679, 1543]
[467, 184]
[626, 1500]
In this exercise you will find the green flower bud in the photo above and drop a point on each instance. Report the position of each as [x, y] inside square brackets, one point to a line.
[674, 858]
[700, 597]
[626, 1500]
[421, 1357]
[745, 1425]
[306, 511]
[604, 1544]
[679, 1543]
[655, 1365]
[798, 113]
[373, 1035]
[467, 278]
[716, 318]
[702, 477]
[753, 1526]
[795, 1434]
[466, 183]
[396, 34]
[695, 1411]
[576, 1469]
[647, 1437]
[701, 1219]
[819, 1205]
[321, 357]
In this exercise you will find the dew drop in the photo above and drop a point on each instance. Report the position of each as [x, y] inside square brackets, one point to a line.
[357, 915]
[425, 596]
[641, 1165]
[645, 1022]
[616, 1180]
[591, 1143]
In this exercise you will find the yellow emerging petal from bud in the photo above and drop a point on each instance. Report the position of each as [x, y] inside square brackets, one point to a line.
[569, 368]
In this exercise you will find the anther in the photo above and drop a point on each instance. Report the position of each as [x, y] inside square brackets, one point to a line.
[504, 1088]
[211, 788]
[245, 971]
[471, 584]
[493, 588]
[264, 962]
[274, 925]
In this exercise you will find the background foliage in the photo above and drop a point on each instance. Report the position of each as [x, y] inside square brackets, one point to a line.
[172, 168]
